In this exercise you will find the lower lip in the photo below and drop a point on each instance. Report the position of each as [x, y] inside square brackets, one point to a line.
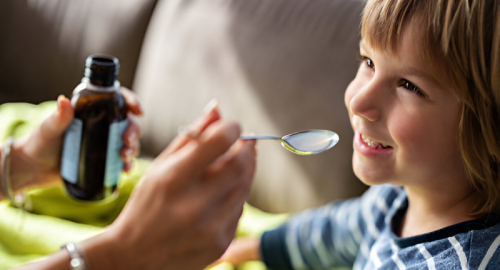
[364, 149]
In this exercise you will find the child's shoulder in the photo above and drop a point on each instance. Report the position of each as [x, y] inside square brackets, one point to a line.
[485, 232]
[483, 245]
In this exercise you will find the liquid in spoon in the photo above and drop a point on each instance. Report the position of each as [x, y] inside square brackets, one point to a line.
[306, 142]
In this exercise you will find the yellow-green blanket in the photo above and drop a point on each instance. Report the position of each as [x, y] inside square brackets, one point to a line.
[56, 219]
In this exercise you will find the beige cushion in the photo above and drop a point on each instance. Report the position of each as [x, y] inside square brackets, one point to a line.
[44, 43]
[276, 66]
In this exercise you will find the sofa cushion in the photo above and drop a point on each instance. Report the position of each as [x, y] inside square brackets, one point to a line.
[44, 44]
[276, 66]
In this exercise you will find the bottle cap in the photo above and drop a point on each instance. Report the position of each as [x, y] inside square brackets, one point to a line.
[102, 69]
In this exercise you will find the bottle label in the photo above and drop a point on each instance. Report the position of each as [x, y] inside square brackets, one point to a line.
[71, 151]
[114, 162]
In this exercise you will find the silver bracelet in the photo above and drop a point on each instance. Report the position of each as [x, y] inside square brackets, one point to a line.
[19, 200]
[77, 261]
[6, 168]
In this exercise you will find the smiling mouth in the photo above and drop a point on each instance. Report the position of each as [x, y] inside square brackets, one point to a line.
[374, 144]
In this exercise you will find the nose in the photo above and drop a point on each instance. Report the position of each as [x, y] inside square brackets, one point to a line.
[366, 102]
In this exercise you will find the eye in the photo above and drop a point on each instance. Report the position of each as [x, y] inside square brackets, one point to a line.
[369, 63]
[411, 87]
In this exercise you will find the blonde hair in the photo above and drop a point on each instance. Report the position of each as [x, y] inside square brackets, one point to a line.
[460, 42]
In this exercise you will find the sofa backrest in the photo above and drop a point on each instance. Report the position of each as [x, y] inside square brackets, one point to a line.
[43, 44]
[276, 66]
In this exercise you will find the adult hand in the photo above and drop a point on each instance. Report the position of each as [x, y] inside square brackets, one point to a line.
[184, 212]
[35, 159]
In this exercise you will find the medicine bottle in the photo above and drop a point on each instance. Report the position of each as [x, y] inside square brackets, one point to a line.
[91, 162]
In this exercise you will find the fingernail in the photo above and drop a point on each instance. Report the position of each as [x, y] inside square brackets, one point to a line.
[59, 100]
[131, 137]
[194, 130]
[140, 112]
[211, 105]
[129, 152]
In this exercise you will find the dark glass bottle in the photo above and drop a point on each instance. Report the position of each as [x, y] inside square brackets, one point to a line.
[91, 163]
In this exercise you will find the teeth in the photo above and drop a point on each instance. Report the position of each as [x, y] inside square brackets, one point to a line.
[373, 143]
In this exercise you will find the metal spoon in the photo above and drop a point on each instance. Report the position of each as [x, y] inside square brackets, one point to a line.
[306, 142]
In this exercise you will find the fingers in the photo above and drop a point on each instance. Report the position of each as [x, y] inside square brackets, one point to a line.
[209, 116]
[226, 187]
[132, 134]
[230, 167]
[131, 143]
[231, 207]
[185, 168]
[55, 126]
[212, 143]
[220, 195]
[132, 101]
[128, 154]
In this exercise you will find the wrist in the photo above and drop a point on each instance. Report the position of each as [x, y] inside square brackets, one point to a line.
[3, 193]
[5, 164]
[8, 190]
[77, 257]
[255, 250]
[102, 252]
[20, 167]
[29, 168]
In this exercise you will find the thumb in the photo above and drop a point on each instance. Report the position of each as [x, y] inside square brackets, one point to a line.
[54, 126]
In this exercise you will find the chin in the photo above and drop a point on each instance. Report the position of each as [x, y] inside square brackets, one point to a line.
[369, 175]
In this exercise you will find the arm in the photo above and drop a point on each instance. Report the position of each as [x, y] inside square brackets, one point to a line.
[305, 241]
[184, 212]
[326, 237]
[320, 238]
[97, 252]
[332, 235]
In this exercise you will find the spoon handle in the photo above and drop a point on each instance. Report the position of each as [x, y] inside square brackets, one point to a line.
[259, 137]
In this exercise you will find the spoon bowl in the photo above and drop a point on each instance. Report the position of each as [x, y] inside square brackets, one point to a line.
[305, 142]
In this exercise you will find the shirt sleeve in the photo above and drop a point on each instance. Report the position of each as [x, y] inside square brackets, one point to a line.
[326, 237]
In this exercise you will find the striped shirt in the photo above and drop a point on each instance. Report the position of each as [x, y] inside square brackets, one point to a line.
[359, 233]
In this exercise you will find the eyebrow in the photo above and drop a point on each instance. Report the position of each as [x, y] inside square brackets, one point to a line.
[420, 73]
[362, 45]
[415, 71]
[407, 69]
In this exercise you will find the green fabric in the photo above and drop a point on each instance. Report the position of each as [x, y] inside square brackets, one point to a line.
[56, 219]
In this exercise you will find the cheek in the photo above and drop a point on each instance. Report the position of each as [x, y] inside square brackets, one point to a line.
[425, 140]
[409, 133]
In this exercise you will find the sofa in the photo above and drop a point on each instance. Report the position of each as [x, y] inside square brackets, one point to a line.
[276, 66]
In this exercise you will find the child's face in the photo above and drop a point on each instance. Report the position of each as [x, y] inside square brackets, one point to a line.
[394, 101]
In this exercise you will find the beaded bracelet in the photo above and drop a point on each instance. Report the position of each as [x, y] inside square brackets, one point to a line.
[6, 168]
[78, 260]
[19, 200]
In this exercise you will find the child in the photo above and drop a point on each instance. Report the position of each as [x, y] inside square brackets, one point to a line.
[424, 106]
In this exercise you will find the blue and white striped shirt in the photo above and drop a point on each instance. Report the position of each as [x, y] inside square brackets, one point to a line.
[358, 233]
